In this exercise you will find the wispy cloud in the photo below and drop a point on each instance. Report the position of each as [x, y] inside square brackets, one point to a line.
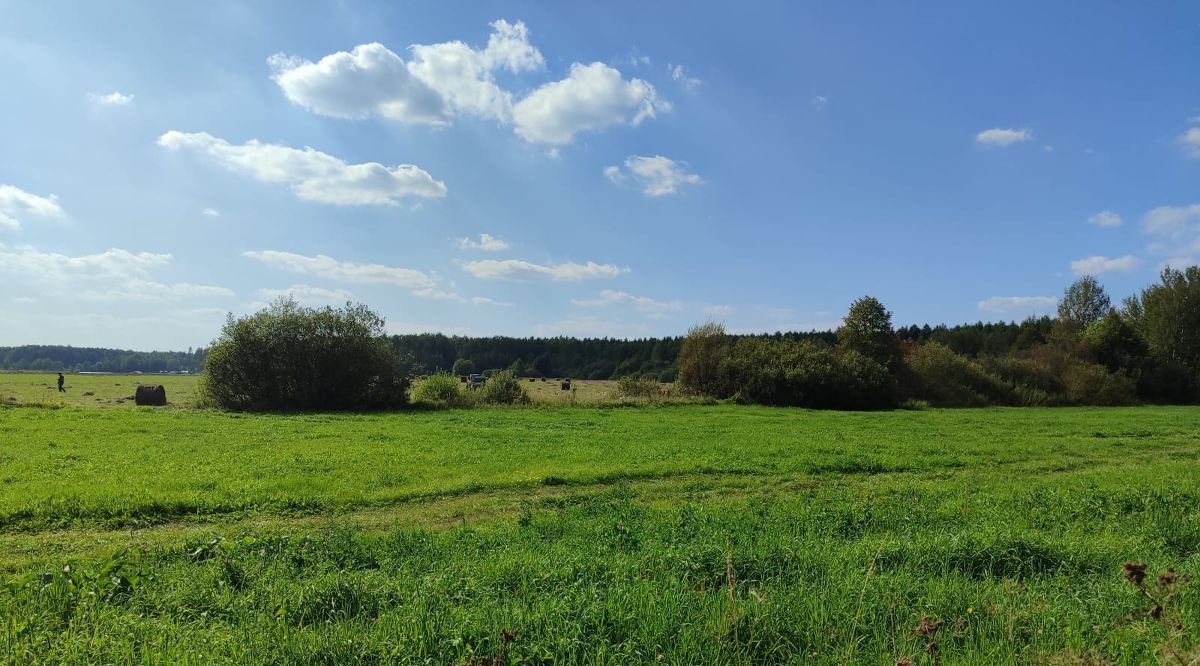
[114, 275]
[998, 136]
[303, 293]
[312, 175]
[111, 99]
[328, 267]
[690, 83]
[14, 201]
[1018, 304]
[1190, 140]
[486, 242]
[1099, 264]
[640, 303]
[517, 269]
[1105, 218]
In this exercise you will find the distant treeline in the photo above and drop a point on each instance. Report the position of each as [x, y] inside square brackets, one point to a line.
[57, 358]
[533, 357]
[658, 358]
[587, 358]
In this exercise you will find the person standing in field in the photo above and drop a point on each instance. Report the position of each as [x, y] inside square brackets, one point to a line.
[60, 384]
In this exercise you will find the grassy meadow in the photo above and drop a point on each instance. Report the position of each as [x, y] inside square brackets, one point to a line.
[105, 390]
[719, 534]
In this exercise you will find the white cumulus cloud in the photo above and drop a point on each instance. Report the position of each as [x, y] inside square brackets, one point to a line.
[718, 310]
[17, 202]
[1100, 264]
[998, 136]
[312, 175]
[210, 212]
[1105, 218]
[657, 176]
[486, 242]
[440, 81]
[516, 269]
[592, 97]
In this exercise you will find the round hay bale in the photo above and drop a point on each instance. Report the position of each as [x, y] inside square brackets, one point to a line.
[150, 395]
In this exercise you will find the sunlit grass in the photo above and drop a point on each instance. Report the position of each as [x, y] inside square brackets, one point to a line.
[596, 535]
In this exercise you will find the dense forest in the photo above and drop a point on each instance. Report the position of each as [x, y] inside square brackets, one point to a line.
[56, 358]
[1092, 353]
[587, 358]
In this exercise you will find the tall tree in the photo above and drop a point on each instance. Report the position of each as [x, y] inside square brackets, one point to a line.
[1167, 315]
[1084, 303]
[867, 330]
[700, 358]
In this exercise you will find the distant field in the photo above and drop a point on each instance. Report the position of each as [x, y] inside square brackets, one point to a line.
[686, 534]
[20, 388]
[117, 390]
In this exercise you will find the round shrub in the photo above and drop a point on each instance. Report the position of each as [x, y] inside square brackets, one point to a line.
[287, 357]
[441, 391]
[632, 387]
[463, 366]
[503, 388]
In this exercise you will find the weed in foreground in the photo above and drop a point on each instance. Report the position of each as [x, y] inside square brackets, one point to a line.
[1162, 597]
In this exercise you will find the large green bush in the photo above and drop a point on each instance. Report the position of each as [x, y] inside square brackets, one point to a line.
[441, 391]
[632, 387]
[945, 379]
[503, 388]
[803, 373]
[1114, 341]
[287, 357]
[701, 355]
[1093, 384]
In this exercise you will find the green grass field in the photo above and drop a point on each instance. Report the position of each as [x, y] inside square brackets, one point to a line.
[40, 389]
[676, 534]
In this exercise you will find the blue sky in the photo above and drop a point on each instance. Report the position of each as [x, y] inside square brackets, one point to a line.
[601, 169]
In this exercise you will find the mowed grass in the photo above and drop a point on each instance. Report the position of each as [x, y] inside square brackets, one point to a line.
[683, 534]
[116, 391]
[41, 389]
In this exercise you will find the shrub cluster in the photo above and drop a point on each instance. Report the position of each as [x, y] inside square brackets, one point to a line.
[1091, 355]
[288, 357]
[503, 388]
[643, 389]
[790, 373]
[442, 391]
